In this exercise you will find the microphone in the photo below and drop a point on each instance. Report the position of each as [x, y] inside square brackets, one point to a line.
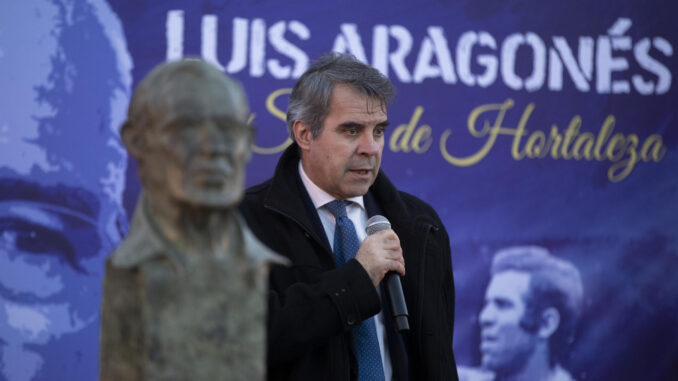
[394, 289]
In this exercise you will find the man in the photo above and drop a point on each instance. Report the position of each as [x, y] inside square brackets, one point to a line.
[326, 318]
[531, 307]
[62, 170]
[185, 292]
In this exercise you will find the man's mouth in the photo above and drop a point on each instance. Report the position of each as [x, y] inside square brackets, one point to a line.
[487, 344]
[211, 174]
[361, 171]
[487, 338]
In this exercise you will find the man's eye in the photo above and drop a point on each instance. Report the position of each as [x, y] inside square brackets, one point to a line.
[352, 131]
[379, 131]
[21, 237]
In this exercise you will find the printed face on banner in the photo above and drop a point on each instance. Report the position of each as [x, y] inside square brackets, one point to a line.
[61, 180]
[198, 149]
[344, 159]
[504, 344]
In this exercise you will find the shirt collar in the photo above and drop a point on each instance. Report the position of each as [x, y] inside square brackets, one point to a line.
[318, 196]
[142, 241]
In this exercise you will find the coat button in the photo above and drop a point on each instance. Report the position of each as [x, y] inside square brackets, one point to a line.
[350, 319]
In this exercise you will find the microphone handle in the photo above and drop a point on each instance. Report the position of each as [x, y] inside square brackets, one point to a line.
[391, 282]
[394, 292]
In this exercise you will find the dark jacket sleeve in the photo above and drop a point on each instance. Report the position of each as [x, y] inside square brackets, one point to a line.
[446, 313]
[307, 315]
[435, 358]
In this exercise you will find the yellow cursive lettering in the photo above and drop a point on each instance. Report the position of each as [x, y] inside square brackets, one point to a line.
[493, 131]
[408, 137]
[278, 113]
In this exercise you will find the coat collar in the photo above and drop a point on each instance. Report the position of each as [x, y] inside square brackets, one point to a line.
[142, 242]
[283, 196]
[286, 185]
[145, 241]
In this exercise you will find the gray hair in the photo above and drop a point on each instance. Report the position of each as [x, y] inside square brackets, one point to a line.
[554, 282]
[311, 95]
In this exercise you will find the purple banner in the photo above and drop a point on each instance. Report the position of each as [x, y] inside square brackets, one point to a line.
[544, 132]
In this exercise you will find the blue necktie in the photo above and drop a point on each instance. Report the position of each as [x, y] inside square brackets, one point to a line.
[346, 245]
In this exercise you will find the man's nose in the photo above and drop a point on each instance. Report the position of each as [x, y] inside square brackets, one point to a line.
[368, 145]
[486, 316]
[211, 139]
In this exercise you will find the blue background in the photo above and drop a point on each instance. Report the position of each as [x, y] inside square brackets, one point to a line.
[621, 235]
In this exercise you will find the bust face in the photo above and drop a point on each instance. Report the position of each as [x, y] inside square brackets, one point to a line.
[199, 144]
[61, 179]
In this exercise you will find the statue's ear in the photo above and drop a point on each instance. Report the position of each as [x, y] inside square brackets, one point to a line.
[133, 138]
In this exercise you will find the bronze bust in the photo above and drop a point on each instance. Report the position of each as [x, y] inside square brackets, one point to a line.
[185, 292]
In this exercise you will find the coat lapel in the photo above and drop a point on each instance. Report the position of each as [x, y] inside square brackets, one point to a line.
[283, 197]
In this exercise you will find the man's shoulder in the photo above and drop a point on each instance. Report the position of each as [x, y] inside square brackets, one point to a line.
[255, 197]
[561, 374]
[415, 202]
[474, 374]
[259, 189]
[391, 197]
[419, 208]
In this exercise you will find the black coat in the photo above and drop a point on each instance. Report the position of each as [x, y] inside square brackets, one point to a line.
[314, 305]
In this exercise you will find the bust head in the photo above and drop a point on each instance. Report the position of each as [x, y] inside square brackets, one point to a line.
[187, 127]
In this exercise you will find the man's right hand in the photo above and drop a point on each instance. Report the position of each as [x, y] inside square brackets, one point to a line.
[380, 253]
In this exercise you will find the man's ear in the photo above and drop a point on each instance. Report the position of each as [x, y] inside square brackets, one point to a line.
[549, 322]
[133, 139]
[302, 134]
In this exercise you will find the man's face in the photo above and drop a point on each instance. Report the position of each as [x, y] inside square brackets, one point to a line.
[61, 179]
[197, 151]
[344, 159]
[504, 344]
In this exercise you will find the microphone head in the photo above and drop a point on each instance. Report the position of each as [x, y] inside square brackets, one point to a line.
[376, 224]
